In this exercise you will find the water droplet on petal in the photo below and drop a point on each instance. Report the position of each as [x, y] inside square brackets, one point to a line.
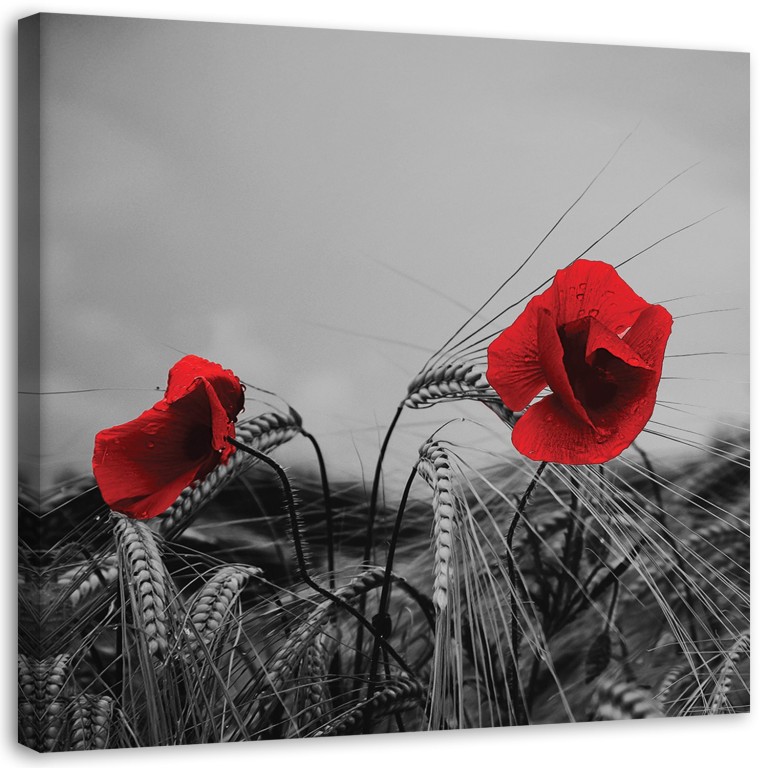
[581, 313]
[594, 312]
[150, 444]
[582, 287]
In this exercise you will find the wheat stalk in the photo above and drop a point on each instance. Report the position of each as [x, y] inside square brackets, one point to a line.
[290, 653]
[68, 492]
[90, 722]
[263, 433]
[142, 563]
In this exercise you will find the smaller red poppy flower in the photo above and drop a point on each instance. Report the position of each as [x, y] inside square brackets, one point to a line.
[142, 466]
[599, 347]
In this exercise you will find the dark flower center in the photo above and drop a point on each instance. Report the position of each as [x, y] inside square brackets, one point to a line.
[595, 385]
[197, 444]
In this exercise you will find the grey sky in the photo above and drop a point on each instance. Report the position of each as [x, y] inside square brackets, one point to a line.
[233, 190]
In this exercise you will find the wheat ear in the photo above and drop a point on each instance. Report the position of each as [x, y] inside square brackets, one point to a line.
[316, 693]
[456, 381]
[144, 571]
[28, 721]
[263, 433]
[434, 466]
[447, 382]
[396, 696]
[624, 701]
[90, 722]
[668, 682]
[209, 608]
[724, 680]
[41, 693]
[100, 574]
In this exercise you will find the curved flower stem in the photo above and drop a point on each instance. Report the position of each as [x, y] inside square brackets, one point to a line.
[329, 533]
[330, 543]
[572, 551]
[521, 715]
[375, 487]
[301, 561]
[382, 619]
[372, 509]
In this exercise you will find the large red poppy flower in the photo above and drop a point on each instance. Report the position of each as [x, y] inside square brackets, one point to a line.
[142, 466]
[599, 347]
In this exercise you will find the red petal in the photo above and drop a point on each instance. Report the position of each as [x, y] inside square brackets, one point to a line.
[649, 334]
[514, 370]
[594, 289]
[142, 466]
[547, 431]
[599, 337]
[551, 354]
[225, 384]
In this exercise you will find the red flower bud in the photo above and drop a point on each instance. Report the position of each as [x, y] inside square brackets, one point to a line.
[142, 466]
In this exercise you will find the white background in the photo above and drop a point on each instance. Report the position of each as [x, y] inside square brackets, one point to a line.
[732, 26]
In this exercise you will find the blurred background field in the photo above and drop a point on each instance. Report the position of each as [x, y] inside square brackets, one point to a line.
[318, 209]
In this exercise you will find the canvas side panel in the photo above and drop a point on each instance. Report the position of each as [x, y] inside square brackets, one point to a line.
[29, 250]
[29, 54]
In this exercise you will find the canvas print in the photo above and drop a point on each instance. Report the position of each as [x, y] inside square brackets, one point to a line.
[375, 383]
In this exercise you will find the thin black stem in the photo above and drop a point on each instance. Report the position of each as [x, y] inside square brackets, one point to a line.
[382, 619]
[329, 533]
[372, 509]
[330, 542]
[120, 657]
[612, 608]
[521, 715]
[572, 551]
[301, 561]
